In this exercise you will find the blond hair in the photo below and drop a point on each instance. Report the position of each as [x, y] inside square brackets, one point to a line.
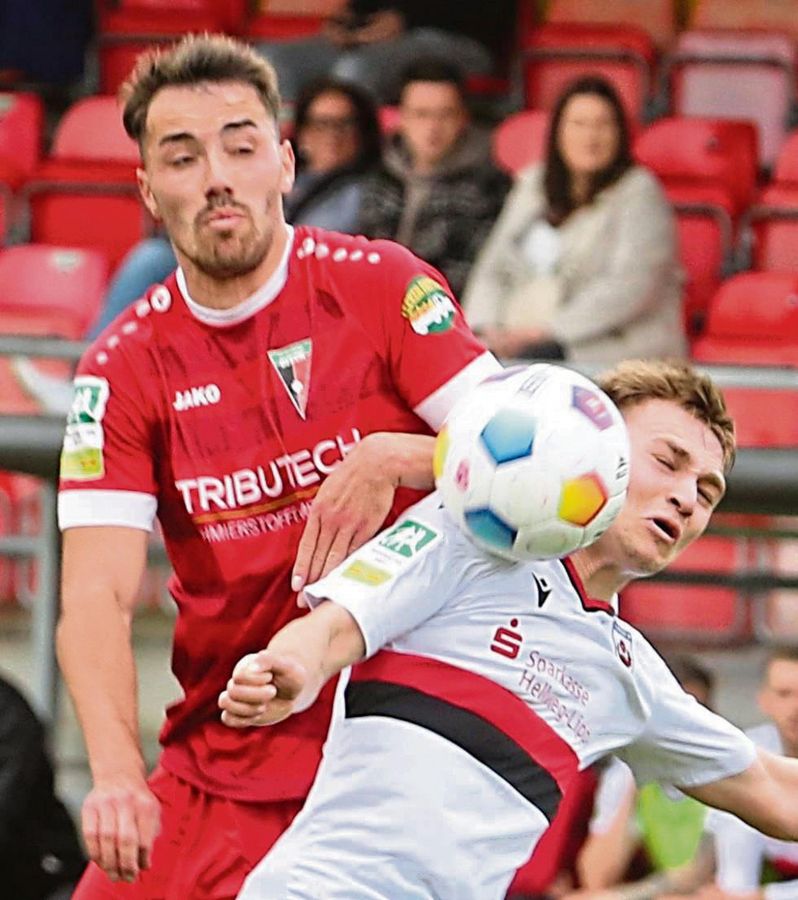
[636, 380]
[193, 60]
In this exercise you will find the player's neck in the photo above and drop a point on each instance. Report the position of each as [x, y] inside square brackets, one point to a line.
[227, 293]
[600, 575]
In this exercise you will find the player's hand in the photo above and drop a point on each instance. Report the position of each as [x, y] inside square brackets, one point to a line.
[263, 690]
[349, 508]
[121, 818]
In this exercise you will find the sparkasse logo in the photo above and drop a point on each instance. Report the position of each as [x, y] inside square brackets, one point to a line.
[193, 397]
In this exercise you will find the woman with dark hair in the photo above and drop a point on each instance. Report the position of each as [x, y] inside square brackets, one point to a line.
[337, 142]
[582, 263]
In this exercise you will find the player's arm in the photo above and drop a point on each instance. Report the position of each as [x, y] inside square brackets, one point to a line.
[102, 568]
[764, 795]
[352, 503]
[286, 677]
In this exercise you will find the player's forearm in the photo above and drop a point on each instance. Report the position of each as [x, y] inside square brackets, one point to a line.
[406, 458]
[324, 642]
[96, 658]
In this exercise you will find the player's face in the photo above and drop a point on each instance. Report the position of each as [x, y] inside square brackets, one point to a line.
[675, 482]
[431, 119]
[588, 134]
[779, 700]
[214, 173]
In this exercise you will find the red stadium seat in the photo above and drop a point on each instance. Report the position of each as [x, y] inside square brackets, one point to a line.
[705, 614]
[708, 150]
[732, 75]
[704, 215]
[770, 232]
[286, 19]
[85, 193]
[127, 28]
[555, 55]
[65, 287]
[21, 129]
[753, 320]
[747, 15]
[787, 161]
[520, 140]
[657, 17]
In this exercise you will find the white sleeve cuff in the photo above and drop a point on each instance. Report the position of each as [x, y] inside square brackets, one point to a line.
[131, 509]
[783, 890]
[434, 409]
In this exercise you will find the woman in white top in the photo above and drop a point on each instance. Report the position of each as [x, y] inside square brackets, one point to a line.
[582, 263]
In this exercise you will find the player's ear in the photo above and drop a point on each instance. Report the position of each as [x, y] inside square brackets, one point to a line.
[146, 193]
[287, 166]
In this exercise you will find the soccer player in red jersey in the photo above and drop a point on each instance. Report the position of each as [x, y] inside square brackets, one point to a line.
[272, 403]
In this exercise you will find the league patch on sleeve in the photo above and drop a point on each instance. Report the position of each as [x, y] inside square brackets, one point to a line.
[82, 453]
[427, 306]
[390, 553]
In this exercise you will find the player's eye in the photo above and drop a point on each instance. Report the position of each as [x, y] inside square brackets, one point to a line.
[180, 161]
[667, 462]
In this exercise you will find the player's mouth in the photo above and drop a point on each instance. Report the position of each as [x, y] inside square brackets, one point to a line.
[666, 529]
[221, 219]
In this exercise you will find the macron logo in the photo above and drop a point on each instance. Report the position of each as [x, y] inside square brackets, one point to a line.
[197, 396]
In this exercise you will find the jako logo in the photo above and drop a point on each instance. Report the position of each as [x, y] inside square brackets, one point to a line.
[197, 396]
[507, 642]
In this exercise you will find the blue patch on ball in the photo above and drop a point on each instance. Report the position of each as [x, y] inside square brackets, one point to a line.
[509, 435]
[487, 526]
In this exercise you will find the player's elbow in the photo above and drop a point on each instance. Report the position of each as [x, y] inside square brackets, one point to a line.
[782, 819]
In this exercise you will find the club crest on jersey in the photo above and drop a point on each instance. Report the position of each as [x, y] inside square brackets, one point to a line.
[408, 538]
[622, 638]
[292, 364]
[507, 641]
[427, 306]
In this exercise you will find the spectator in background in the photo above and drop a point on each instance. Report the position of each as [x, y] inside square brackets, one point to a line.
[438, 192]
[745, 859]
[40, 856]
[582, 263]
[370, 42]
[650, 829]
[336, 141]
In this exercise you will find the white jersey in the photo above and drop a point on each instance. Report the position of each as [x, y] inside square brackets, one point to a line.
[741, 851]
[450, 749]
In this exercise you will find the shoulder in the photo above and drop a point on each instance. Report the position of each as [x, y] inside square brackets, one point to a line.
[128, 339]
[356, 259]
[638, 181]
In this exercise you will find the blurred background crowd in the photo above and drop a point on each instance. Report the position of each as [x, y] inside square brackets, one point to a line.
[596, 180]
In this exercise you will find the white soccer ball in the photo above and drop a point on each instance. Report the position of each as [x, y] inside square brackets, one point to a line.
[534, 463]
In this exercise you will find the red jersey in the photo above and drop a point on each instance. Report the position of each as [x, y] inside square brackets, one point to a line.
[224, 423]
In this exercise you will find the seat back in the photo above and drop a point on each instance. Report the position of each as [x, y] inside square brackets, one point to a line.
[704, 225]
[709, 150]
[656, 17]
[787, 160]
[773, 229]
[53, 283]
[748, 77]
[704, 613]
[92, 129]
[747, 15]
[21, 129]
[556, 55]
[520, 140]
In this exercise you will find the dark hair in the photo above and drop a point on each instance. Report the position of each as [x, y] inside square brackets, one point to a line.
[686, 670]
[557, 177]
[193, 60]
[368, 125]
[433, 68]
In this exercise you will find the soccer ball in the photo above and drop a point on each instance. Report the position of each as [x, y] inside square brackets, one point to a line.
[534, 463]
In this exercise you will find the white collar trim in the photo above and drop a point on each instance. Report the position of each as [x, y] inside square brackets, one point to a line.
[246, 308]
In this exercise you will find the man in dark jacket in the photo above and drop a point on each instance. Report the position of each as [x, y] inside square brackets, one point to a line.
[40, 856]
[438, 192]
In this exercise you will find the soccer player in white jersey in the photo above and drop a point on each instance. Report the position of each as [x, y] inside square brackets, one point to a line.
[743, 854]
[451, 747]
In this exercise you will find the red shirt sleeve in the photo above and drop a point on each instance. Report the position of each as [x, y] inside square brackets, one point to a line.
[107, 461]
[432, 353]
